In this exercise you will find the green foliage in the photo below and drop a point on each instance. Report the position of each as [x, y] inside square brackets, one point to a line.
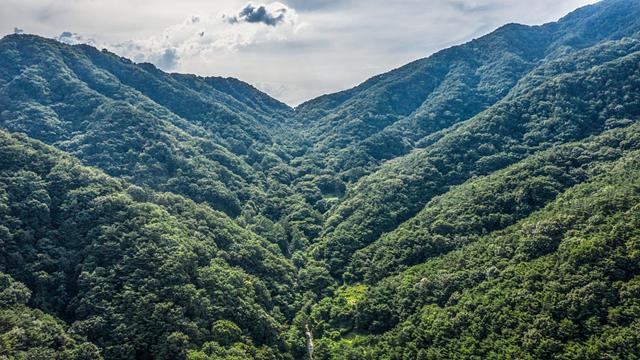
[134, 271]
[487, 204]
[566, 108]
[557, 284]
[216, 141]
[26, 333]
[479, 203]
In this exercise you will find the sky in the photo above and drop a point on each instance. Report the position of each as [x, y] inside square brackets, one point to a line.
[294, 50]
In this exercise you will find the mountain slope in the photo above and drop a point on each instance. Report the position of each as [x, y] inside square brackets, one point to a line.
[413, 230]
[480, 203]
[491, 203]
[562, 109]
[55, 93]
[562, 283]
[390, 114]
[140, 274]
[217, 141]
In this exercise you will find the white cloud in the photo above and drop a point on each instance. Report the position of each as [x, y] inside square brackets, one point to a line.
[207, 35]
[204, 35]
[72, 38]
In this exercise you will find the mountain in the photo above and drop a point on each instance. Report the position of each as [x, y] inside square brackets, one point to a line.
[561, 283]
[138, 273]
[389, 115]
[478, 203]
[216, 141]
[565, 108]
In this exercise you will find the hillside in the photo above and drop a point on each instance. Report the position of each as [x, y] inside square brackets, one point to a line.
[139, 273]
[216, 141]
[561, 283]
[478, 203]
[565, 108]
[389, 115]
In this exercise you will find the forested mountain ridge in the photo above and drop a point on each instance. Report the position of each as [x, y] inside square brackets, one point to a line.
[479, 203]
[565, 108]
[390, 114]
[56, 93]
[217, 141]
[563, 283]
[242, 113]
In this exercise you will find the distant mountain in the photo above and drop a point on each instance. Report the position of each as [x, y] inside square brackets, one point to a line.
[566, 107]
[390, 114]
[478, 203]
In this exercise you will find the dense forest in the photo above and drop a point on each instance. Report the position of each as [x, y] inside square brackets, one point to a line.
[480, 203]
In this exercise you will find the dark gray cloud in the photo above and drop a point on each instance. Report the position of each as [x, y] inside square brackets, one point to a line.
[167, 60]
[260, 14]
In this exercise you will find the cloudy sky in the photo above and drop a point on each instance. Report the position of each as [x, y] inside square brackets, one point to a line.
[293, 49]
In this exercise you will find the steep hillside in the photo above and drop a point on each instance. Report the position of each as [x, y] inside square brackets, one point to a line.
[141, 274]
[491, 203]
[390, 114]
[560, 284]
[216, 141]
[563, 108]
